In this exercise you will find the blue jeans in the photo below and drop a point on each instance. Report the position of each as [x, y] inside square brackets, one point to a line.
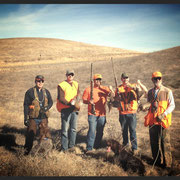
[95, 132]
[68, 129]
[128, 122]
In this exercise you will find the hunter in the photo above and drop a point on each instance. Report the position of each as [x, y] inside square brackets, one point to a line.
[37, 103]
[96, 98]
[127, 96]
[160, 104]
[68, 105]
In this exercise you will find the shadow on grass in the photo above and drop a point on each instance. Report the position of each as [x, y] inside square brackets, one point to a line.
[9, 142]
[8, 138]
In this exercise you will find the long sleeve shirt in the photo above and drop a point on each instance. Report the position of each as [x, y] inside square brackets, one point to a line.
[29, 97]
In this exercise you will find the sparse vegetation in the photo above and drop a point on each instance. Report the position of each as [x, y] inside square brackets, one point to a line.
[19, 64]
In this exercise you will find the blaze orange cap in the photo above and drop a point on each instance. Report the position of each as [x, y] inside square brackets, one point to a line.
[97, 76]
[156, 74]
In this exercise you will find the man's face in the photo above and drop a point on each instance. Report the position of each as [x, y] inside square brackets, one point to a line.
[97, 82]
[39, 83]
[125, 80]
[157, 81]
[70, 77]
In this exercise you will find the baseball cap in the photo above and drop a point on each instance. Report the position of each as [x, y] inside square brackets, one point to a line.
[69, 71]
[124, 75]
[156, 74]
[39, 77]
[97, 76]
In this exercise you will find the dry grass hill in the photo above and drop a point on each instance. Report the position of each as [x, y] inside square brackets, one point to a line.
[24, 51]
[22, 59]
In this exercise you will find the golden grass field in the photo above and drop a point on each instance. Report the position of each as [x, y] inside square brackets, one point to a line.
[23, 58]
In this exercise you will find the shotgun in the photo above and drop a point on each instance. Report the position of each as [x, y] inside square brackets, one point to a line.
[115, 103]
[91, 92]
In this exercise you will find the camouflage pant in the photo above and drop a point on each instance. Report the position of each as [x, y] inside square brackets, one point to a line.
[160, 145]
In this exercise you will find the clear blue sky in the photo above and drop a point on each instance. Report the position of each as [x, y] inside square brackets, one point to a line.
[140, 27]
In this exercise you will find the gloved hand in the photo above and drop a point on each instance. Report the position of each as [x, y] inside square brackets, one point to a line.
[26, 121]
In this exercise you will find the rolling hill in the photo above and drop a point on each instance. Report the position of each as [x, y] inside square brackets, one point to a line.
[20, 62]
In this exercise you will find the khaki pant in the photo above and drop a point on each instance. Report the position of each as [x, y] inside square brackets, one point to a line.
[160, 145]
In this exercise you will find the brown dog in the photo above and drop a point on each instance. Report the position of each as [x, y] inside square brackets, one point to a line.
[115, 146]
[44, 130]
[124, 158]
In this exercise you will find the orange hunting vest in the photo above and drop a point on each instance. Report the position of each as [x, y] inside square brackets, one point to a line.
[162, 101]
[70, 92]
[128, 100]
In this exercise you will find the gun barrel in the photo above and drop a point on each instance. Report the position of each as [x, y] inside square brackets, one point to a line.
[116, 84]
[91, 93]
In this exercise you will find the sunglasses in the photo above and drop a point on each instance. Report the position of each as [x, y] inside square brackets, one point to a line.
[125, 77]
[70, 74]
[157, 78]
[40, 81]
[98, 79]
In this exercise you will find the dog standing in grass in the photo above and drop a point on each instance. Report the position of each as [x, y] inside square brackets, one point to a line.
[44, 143]
[44, 131]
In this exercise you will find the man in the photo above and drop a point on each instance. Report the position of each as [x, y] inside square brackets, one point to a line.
[37, 103]
[127, 97]
[68, 94]
[98, 119]
[161, 101]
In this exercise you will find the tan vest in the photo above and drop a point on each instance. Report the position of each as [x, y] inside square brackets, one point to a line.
[162, 104]
[35, 107]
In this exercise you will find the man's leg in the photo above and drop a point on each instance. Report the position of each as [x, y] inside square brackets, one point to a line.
[73, 129]
[166, 148]
[154, 141]
[65, 118]
[30, 134]
[101, 121]
[124, 127]
[132, 129]
[92, 120]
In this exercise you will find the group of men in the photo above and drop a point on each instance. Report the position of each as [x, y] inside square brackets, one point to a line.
[160, 105]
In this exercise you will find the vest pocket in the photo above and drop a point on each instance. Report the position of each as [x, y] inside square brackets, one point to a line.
[34, 112]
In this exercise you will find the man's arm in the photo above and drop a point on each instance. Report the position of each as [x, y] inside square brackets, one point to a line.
[61, 96]
[27, 102]
[171, 104]
[78, 94]
[146, 106]
[143, 87]
[50, 101]
[86, 97]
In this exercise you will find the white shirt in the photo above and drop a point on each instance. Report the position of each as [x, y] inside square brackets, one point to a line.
[171, 104]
